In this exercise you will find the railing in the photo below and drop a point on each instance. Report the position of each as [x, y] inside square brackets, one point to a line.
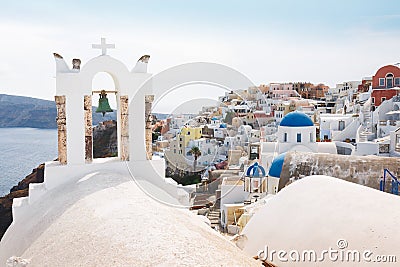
[395, 183]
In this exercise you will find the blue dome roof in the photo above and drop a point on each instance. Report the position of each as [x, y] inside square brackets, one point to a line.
[254, 170]
[276, 166]
[296, 119]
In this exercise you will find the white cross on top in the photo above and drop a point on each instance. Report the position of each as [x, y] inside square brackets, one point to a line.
[103, 46]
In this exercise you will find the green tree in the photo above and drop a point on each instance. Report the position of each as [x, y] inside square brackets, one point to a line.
[195, 151]
[156, 133]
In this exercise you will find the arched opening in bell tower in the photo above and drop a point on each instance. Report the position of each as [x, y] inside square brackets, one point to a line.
[104, 116]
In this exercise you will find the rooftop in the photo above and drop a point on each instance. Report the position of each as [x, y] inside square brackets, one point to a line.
[316, 212]
[296, 119]
[276, 166]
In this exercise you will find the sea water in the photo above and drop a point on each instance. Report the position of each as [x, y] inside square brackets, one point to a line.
[21, 150]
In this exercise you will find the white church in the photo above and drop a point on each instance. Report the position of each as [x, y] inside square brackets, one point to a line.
[296, 132]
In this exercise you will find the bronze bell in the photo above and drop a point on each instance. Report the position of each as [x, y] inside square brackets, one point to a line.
[104, 106]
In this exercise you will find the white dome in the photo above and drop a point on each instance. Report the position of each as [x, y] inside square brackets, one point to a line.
[315, 212]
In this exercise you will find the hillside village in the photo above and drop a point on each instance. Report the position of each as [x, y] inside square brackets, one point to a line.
[285, 128]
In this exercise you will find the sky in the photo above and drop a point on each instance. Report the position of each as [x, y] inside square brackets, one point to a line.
[269, 41]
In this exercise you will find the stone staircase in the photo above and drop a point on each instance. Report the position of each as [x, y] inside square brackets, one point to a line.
[367, 123]
[214, 217]
[364, 135]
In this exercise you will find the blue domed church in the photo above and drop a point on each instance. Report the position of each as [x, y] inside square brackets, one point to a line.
[296, 132]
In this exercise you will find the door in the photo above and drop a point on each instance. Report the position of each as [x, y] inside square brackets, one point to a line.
[389, 82]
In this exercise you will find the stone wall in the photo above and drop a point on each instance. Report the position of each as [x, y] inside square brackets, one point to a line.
[124, 105]
[87, 107]
[62, 129]
[363, 170]
[148, 134]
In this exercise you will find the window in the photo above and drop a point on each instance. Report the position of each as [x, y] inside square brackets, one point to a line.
[373, 100]
[383, 99]
[311, 138]
[299, 138]
[285, 137]
[381, 81]
[175, 151]
[341, 125]
[397, 81]
[188, 133]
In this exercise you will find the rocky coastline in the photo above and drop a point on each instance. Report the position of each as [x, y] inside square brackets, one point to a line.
[20, 190]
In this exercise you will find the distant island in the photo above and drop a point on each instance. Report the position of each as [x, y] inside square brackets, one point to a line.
[21, 111]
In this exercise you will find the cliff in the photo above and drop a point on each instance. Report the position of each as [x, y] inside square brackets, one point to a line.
[105, 142]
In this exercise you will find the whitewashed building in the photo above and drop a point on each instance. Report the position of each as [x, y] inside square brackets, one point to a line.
[338, 127]
[296, 132]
